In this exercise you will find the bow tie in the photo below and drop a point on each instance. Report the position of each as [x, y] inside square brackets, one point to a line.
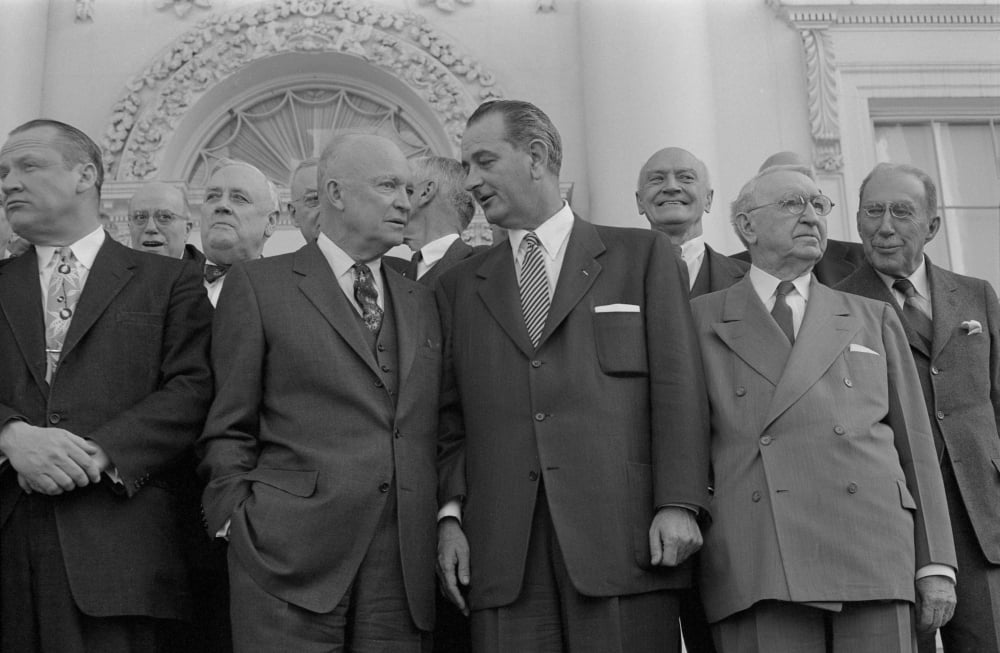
[215, 272]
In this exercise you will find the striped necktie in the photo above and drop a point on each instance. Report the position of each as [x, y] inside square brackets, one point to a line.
[534, 287]
[912, 311]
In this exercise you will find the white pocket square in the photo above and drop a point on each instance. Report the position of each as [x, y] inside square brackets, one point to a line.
[972, 326]
[862, 349]
[617, 308]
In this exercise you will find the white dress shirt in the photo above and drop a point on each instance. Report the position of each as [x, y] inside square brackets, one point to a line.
[766, 286]
[433, 252]
[693, 253]
[920, 283]
[343, 270]
[85, 250]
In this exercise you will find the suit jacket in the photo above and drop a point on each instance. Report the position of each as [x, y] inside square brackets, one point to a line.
[826, 481]
[609, 411]
[457, 252]
[135, 378]
[839, 260]
[304, 440]
[192, 253]
[717, 272]
[960, 376]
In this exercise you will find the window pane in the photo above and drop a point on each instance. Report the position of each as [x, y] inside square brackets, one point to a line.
[979, 234]
[969, 165]
[912, 144]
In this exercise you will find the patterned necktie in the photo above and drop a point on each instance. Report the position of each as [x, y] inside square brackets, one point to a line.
[781, 312]
[912, 311]
[534, 286]
[367, 296]
[414, 266]
[215, 272]
[63, 292]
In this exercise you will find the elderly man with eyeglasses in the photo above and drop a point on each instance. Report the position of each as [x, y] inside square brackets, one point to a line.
[159, 221]
[303, 206]
[829, 513]
[952, 324]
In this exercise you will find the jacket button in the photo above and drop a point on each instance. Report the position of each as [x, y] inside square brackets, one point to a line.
[536, 364]
[539, 417]
[378, 383]
[385, 368]
[839, 430]
[55, 418]
[532, 476]
[935, 370]
[765, 440]
[380, 347]
[383, 488]
[741, 391]
[848, 383]
[852, 488]
[940, 414]
[755, 497]
[396, 434]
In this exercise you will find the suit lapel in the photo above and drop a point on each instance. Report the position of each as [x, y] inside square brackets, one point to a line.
[499, 292]
[113, 269]
[321, 288]
[871, 285]
[21, 303]
[751, 333]
[408, 317]
[827, 329]
[578, 273]
[944, 304]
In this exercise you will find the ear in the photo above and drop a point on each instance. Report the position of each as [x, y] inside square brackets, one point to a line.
[335, 193]
[426, 193]
[272, 223]
[188, 227]
[88, 177]
[708, 200]
[744, 226]
[539, 155]
[638, 204]
[932, 228]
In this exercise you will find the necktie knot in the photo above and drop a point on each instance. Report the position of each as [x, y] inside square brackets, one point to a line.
[784, 288]
[366, 294]
[215, 272]
[905, 286]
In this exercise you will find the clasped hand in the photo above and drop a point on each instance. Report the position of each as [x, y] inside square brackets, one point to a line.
[50, 460]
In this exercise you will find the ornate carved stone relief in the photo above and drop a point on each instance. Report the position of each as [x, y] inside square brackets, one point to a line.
[182, 7]
[446, 5]
[400, 43]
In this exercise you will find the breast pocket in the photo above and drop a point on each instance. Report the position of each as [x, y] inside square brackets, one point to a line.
[621, 343]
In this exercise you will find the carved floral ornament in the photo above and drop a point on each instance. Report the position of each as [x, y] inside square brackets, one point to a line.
[400, 43]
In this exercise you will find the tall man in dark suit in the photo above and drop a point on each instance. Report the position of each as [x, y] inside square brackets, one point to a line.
[952, 323]
[159, 222]
[828, 506]
[320, 444]
[674, 192]
[442, 210]
[105, 384]
[574, 448]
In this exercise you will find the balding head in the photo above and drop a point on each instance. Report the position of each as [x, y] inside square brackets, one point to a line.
[364, 194]
[159, 219]
[673, 192]
[784, 159]
[239, 213]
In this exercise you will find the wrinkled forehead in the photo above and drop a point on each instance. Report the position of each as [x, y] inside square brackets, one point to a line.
[779, 184]
[895, 186]
[674, 160]
[153, 198]
[240, 177]
[35, 140]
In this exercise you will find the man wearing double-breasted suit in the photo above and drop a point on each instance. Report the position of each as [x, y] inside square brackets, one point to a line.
[576, 442]
[320, 444]
[954, 337]
[829, 516]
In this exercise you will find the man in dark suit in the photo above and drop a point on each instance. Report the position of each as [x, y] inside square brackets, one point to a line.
[320, 444]
[674, 192]
[239, 214]
[105, 384]
[952, 323]
[442, 210]
[828, 506]
[573, 450]
[840, 258]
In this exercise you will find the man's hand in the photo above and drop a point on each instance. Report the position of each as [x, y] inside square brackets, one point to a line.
[49, 460]
[935, 602]
[673, 536]
[453, 561]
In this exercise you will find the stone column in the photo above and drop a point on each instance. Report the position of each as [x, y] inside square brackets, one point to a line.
[23, 32]
[647, 84]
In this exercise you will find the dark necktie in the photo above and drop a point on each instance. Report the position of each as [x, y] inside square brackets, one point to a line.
[534, 287]
[414, 266]
[215, 272]
[912, 313]
[64, 289]
[781, 312]
[367, 296]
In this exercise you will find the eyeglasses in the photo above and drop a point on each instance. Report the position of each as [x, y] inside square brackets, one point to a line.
[162, 218]
[796, 204]
[898, 210]
[310, 200]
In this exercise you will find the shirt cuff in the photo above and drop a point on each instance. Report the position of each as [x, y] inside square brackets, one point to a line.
[224, 531]
[936, 570]
[451, 509]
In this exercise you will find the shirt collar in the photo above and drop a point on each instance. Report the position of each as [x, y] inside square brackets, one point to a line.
[764, 283]
[435, 250]
[85, 250]
[553, 233]
[919, 280]
[341, 262]
[693, 248]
